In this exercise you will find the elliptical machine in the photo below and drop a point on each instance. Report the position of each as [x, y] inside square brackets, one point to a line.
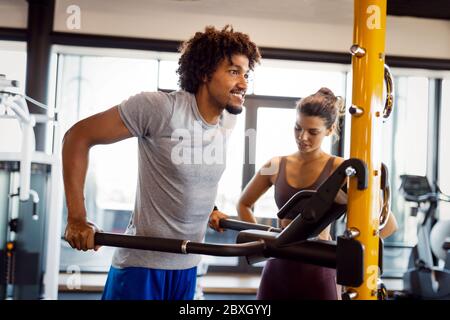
[424, 279]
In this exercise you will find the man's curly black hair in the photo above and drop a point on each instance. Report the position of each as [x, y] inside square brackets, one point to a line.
[201, 54]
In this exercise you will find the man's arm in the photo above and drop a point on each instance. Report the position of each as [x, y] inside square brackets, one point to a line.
[102, 128]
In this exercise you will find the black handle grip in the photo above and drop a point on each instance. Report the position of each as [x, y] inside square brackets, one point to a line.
[176, 246]
[238, 225]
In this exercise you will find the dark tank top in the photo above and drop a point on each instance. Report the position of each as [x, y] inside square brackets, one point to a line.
[284, 191]
[293, 280]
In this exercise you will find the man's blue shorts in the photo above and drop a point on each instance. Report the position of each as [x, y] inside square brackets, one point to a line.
[136, 283]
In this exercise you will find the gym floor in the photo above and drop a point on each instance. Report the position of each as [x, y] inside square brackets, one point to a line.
[98, 295]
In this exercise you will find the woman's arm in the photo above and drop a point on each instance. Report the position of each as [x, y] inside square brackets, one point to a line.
[259, 184]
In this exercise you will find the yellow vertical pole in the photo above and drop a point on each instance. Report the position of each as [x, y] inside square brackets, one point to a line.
[368, 67]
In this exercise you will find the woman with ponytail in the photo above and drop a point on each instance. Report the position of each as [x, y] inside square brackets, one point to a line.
[317, 117]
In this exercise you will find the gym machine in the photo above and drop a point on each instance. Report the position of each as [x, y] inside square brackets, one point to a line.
[314, 211]
[424, 279]
[30, 212]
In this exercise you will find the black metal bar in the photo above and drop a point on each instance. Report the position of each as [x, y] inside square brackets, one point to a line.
[40, 24]
[321, 253]
[176, 246]
[398, 246]
[100, 41]
[418, 63]
[306, 55]
[434, 9]
[226, 250]
[317, 252]
[137, 242]
[241, 225]
[13, 34]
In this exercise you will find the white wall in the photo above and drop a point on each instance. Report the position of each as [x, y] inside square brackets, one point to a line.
[409, 37]
[415, 37]
[180, 26]
[405, 36]
[13, 13]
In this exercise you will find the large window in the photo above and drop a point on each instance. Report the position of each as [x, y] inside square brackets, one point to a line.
[231, 182]
[404, 143]
[275, 125]
[167, 77]
[229, 191]
[298, 79]
[404, 148]
[275, 137]
[88, 85]
[13, 62]
[409, 146]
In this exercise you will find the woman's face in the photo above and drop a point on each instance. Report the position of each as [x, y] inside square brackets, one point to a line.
[309, 132]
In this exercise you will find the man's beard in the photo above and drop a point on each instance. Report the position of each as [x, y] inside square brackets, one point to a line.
[234, 110]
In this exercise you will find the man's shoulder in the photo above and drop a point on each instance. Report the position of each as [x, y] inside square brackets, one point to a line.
[162, 99]
[178, 94]
[179, 97]
[167, 94]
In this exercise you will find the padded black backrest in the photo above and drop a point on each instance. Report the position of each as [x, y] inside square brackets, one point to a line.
[306, 225]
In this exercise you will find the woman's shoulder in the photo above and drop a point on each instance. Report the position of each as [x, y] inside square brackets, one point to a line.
[337, 161]
[273, 161]
[271, 166]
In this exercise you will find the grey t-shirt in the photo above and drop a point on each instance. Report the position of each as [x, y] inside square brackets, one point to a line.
[181, 159]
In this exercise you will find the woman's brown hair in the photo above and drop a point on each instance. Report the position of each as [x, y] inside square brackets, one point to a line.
[325, 105]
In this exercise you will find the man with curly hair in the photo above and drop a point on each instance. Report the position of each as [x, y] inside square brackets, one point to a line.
[177, 178]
